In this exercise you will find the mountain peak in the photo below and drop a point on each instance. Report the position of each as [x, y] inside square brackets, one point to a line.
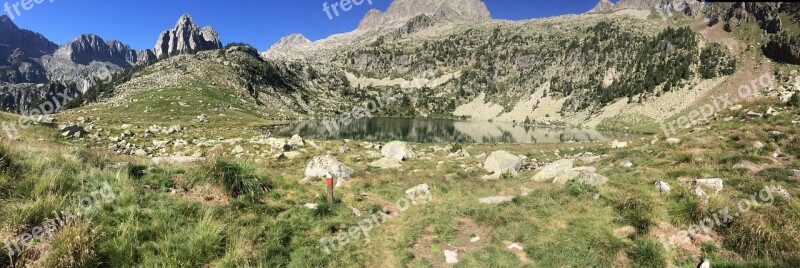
[186, 37]
[450, 10]
[184, 21]
[602, 6]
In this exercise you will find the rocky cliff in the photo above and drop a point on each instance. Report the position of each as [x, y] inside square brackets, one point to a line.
[186, 37]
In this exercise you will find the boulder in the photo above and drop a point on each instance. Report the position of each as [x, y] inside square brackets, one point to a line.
[572, 173]
[292, 155]
[72, 131]
[398, 150]
[714, 184]
[296, 141]
[320, 166]
[386, 163]
[503, 162]
[592, 179]
[552, 170]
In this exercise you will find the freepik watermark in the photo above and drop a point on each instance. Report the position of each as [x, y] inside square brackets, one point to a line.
[345, 5]
[365, 110]
[48, 228]
[420, 195]
[717, 104]
[764, 197]
[38, 114]
[26, 5]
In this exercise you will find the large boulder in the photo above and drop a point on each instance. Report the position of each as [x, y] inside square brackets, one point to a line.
[552, 170]
[296, 141]
[592, 179]
[320, 166]
[502, 162]
[72, 131]
[398, 150]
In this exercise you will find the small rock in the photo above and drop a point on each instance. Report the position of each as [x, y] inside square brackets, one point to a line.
[701, 194]
[496, 199]
[451, 257]
[475, 239]
[758, 145]
[626, 164]
[140, 152]
[673, 141]
[662, 187]
[238, 150]
[714, 184]
[311, 205]
[618, 145]
[515, 246]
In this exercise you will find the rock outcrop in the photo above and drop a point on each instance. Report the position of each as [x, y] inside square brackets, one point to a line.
[782, 52]
[18, 50]
[186, 37]
[401, 11]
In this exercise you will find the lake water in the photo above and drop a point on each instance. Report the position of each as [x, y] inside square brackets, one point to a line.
[443, 130]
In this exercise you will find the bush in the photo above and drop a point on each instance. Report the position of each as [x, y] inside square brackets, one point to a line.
[237, 180]
[648, 253]
[636, 210]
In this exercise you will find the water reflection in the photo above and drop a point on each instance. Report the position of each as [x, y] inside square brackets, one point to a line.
[443, 130]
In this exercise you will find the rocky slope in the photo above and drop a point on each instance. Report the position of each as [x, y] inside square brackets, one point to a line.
[186, 37]
[18, 50]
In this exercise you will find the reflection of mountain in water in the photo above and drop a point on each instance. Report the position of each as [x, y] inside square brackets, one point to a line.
[441, 130]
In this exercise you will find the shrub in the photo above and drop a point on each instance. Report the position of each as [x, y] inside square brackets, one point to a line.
[636, 210]
[648, 253]
[237, 180]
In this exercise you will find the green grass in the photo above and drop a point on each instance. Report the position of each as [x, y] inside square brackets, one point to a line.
[234, 212]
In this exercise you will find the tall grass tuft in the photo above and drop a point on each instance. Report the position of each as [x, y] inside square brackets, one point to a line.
[648, 253]
[637, 210]
[235, 179]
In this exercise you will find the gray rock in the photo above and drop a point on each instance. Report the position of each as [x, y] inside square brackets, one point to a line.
[758, 145]
[496, 199]
[617, 144]
[140, 152]
[292, 155]
[662, 187]
[72, 131]
[398, 150]
[503, 162]
[450, 257]
[296, 141]
[320, 166]
[592, 179]
[177, 160]
[552, 170]
[186, 37]
[416, 190]
[673, 141]
[386, 163]
[238, 150]
[714, 184]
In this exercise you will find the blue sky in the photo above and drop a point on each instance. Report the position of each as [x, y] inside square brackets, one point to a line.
[257, 22]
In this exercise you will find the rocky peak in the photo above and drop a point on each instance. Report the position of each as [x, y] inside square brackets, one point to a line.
[186, 37]
[32, 44]
[291, 40]
[602, 7]
[401, 11]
